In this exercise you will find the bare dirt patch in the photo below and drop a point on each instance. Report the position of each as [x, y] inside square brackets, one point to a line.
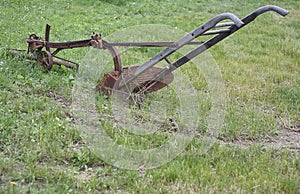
[287, 138]
[61, 100]
[84, 176]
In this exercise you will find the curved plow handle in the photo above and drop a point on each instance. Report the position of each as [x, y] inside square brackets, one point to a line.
[237, 21]
[274, 8]
[262, 10]
[236, 25]
[183, 41]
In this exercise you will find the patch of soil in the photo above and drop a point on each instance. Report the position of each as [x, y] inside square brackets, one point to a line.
[287, 138]
[61, 100]
[84, 176]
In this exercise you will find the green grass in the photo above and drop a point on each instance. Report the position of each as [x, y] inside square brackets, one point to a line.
[41, 149]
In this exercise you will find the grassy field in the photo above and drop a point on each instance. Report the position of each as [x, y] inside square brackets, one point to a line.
[257, 150]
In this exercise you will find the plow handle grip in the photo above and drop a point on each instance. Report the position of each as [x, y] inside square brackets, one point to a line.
[237, 21]
[251, 17]
[274, 8]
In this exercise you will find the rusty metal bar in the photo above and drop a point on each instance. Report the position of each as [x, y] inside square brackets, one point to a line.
[66, 64]
[69, 45]
[150, 44]
[60, 45]
[115, 54]
[47, 36]
[75, 64]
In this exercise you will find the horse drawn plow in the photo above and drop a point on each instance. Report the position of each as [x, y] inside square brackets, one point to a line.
[146, 77]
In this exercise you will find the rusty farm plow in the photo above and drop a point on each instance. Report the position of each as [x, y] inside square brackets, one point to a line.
[146, 77]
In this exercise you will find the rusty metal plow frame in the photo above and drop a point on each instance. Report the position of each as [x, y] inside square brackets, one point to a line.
[159, 77]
